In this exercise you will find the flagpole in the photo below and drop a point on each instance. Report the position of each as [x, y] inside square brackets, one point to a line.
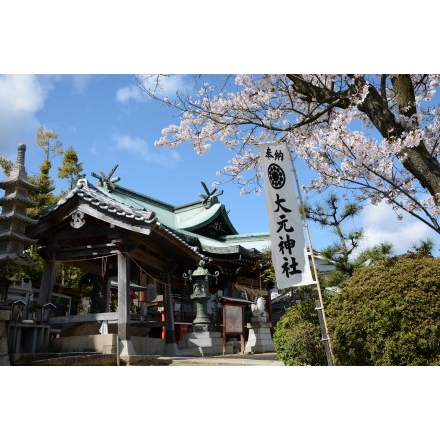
[320, 306]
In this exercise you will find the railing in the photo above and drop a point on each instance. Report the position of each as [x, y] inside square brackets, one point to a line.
[91, 317]
[99, 317]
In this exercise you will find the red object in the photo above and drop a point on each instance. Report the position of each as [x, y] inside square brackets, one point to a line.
[163, 328]
[181, 331]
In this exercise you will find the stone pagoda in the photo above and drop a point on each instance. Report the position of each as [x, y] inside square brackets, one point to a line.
[13, 218]
[13, 239]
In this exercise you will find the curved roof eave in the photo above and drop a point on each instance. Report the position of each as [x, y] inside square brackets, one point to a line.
[204, 218]
[102, 202]
[192, 249]
[197, 217]
[99, 201]
[17, 179]
[259, 241]
[212, 246]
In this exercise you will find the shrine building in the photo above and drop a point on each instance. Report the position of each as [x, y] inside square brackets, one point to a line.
[137, 249]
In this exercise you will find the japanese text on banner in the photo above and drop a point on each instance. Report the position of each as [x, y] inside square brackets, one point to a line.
[289, 252]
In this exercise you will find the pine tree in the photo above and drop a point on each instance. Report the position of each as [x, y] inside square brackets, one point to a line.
[330, 215]
[70, 168]
[44, 194]
[49, 143]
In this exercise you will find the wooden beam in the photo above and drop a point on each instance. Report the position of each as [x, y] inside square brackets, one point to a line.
[98, 317]
[88, 266]
[122, 222]
[91, 317]
[148, 259]
[91, 232]
[65, 254]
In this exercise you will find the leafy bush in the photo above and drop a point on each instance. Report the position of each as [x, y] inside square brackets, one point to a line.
[297, 337]
[388, 314]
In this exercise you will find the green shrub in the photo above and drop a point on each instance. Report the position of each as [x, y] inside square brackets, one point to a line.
[388, 314]
[297, 337]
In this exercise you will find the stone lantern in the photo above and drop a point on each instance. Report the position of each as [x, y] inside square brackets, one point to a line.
[201, 280]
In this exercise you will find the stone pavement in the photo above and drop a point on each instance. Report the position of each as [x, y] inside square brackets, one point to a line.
[243, 360]
[95, 359]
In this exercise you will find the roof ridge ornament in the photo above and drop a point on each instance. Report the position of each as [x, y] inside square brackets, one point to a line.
[81, 183]
[210, 199]
[106, 180]
[77, 219]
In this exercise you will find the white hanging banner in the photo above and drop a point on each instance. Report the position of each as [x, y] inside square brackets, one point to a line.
[289, 252]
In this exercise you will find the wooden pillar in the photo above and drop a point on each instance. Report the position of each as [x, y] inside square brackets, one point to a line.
[169, 313]
[47, 282]
[106, 291]
[123, 296]
[126, 347]
[170, 334]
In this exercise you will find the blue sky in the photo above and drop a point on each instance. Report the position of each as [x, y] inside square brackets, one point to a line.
[109, 121]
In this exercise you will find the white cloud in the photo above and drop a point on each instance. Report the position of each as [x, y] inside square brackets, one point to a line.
[380, 224]
[130, 93]
[21, 97]
[80, 82]
[170, 84]
[139, 147]
[163, 85]
[21, 93]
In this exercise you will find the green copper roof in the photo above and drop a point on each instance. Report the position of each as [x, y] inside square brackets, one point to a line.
[189, 217]
[259, 241]
[192, 221]
[194, 216]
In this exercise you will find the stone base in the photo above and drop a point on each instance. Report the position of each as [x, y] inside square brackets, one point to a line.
[105, 344]
[171, 350]
[203, 343]
[144, 345]
[126, 348]
[4, 361]
[87, 343]
[259, 339]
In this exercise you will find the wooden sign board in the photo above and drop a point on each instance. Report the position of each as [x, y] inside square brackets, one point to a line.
[233, 323]
[233, 319]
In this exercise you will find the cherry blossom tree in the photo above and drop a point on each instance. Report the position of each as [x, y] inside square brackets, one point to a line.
[375, 135]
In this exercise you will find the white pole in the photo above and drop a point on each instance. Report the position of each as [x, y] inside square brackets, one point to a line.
[320, 308]
[117, 350]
